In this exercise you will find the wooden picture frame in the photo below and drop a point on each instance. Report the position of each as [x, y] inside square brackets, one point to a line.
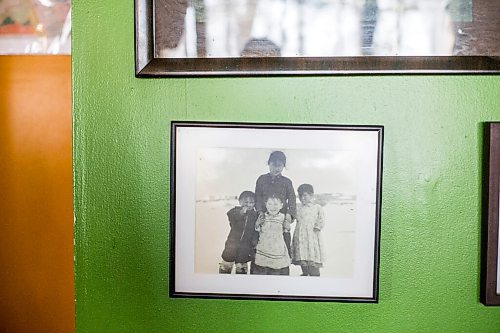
[212, 163]
[490, 268]
[481, 57]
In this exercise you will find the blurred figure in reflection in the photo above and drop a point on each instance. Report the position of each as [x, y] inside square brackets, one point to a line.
[227, 24]
[413, 28]
[368, 22]
[310, 28]
[170, 27]
[260, 47]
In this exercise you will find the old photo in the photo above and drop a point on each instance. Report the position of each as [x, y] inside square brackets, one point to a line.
[270, 211]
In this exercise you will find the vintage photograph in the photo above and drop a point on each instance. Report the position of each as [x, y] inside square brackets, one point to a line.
[273, 211]
[308, 188]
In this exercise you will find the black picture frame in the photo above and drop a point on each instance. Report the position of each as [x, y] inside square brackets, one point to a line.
[490, 282]
[147, 64]
[199, 148]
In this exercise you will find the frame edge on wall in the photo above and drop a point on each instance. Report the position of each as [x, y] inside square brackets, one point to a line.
[144, 43]
[148, 65]
[173, 293]
[490, 218]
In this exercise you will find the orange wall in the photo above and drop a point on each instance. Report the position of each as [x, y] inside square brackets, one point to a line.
[36, 199]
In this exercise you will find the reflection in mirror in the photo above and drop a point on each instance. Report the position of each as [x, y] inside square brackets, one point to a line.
[325, 28]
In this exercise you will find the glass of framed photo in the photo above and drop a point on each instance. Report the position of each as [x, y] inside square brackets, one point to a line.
[275, 211]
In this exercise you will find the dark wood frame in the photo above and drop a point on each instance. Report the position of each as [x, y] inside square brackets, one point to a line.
[147, 65]
[490, 234]
[376, 251]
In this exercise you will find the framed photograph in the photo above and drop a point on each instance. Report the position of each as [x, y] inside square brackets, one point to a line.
[490, 270]
[275, 211]
[323, 37]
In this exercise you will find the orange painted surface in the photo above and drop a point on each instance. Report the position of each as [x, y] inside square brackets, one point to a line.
[36, 196]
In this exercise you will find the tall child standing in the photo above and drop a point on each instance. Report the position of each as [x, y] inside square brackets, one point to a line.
[274, 184]
[307, 247]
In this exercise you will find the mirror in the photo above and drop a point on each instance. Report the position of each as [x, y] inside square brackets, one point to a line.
[325, 28]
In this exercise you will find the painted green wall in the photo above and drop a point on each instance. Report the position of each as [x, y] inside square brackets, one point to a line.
[429, 270]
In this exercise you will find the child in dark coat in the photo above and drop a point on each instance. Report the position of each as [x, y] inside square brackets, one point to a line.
[240, 244]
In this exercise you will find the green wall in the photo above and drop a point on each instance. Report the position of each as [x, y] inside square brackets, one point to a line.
[430, 244]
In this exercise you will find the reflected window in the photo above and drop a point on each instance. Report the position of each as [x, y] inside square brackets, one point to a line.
[324, 28]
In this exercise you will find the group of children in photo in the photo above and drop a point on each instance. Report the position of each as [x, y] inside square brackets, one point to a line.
[260, 227]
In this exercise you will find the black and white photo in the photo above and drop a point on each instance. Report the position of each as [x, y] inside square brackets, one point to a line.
[275, 211]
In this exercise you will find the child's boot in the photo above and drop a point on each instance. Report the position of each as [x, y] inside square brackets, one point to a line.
[241, 268]
[225, 267]
[313, 271]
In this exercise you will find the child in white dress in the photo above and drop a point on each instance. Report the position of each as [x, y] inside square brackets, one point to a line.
[307, 247]
[272, 256]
